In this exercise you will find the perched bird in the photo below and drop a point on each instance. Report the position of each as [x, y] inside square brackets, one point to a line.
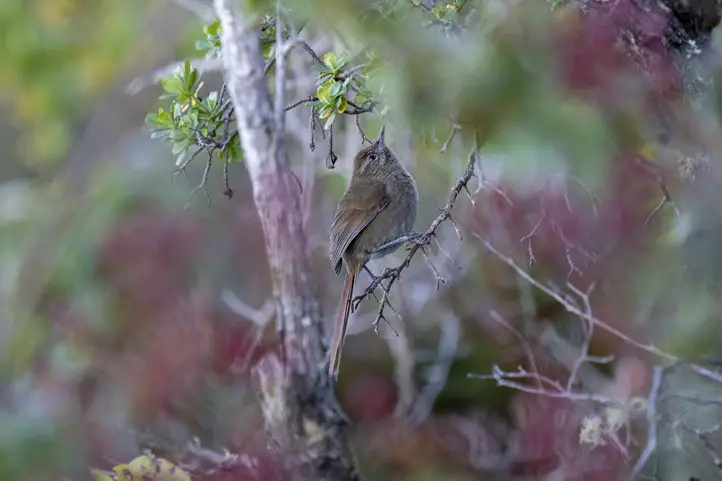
[375, 215]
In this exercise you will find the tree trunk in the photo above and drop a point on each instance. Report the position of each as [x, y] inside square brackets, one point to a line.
[295, 393]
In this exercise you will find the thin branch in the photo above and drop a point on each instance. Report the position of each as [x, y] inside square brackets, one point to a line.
[198, 7]
[360, 109]
[364, 137]
[438, 373]
[703, 435]
[570, 307]
[651, 445]
[295, 104]
[455, 128]
[525, 345]
[228, 192]
[331, 158]
[139, 84]
[203, 186]
[658, 174]
[279, 112]
[259, 317]
[504, 378]
[311, 52]
[588, 329]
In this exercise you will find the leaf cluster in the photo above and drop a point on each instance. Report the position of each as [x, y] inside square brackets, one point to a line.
[335, 84]
[191, 120]
[143, 468]
[212, 43]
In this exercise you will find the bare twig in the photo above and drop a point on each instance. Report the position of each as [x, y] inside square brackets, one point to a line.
[588, 329]
[311, 52]
[571, 307]
[203, 186]
[505, 379]
[454, 130]
[364, 137]
[139, 84]
[703, 435]
[651, 445]
[258, 317]
[301, 102]
[525, 345]
[198, 7]
[438, 373]
[219, 459]
[331, 158]
[279, 112]
[658, 174]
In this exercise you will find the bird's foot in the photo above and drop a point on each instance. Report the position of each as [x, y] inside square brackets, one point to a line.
[375, 282]
[412, 237]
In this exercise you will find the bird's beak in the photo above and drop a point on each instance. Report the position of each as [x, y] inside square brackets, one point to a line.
[380, 140]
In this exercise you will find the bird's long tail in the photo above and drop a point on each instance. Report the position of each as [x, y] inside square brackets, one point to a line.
[339, 331]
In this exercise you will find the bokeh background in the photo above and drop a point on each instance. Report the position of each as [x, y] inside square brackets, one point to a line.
[132, 316]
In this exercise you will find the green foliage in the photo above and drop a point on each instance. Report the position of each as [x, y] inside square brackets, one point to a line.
[212, 43]
[268, 35]
[190, 116]
[335, 84]
[331, 100]
[56, 57]
[447, 12]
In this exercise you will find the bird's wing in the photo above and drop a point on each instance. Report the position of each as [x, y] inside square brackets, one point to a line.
[361, 203]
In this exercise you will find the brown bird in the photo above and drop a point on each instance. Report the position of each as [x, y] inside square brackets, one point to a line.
[375, 215]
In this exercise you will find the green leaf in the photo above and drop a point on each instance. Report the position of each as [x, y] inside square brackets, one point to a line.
[187, 69]
[160, 134]
[172, 85]
[203, 45]
[180, 147]
[214, 29]
[330, 120]
[235, 152]
[329, 59]
[160, 120]
[341, 63]
[324, 91]
[342, 105]
[191, 80]
[335, 89]
[212, 100]
[177, 111]
[181, 157]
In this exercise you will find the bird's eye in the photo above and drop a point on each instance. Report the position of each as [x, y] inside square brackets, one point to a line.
[373, 157]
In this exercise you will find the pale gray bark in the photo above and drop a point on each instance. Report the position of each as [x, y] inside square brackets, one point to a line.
[295, 393]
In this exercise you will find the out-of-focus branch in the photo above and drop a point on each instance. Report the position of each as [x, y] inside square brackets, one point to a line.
[651, 445]
[296, 395]
[141, 83]
[571, 306]
[439, 372]
[514, 380]
[198, 7]
[258, 317]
